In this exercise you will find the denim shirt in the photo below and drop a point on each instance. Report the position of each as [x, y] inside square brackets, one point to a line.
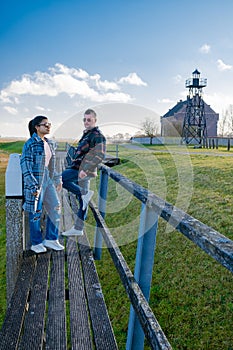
[33, 166]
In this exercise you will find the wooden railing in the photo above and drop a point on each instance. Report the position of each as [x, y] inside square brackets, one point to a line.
[209, 240]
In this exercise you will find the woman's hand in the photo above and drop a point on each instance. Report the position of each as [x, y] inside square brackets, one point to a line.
[35, 194]
[59, 187]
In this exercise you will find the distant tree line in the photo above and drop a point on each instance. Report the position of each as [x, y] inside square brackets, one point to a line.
[149, 128]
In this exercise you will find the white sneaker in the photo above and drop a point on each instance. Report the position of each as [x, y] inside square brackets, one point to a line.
[72, 232]
[38, 248]
[86, 198]
[53, 244]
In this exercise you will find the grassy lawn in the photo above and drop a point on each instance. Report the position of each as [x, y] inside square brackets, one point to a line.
[191, 294]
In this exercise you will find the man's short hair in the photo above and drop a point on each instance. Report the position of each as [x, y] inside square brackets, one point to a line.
[91, 111]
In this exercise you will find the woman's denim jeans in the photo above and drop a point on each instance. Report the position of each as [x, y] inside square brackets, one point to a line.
[78, 186]
[49, 198]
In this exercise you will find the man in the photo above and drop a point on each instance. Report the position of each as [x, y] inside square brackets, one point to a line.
[76, 179]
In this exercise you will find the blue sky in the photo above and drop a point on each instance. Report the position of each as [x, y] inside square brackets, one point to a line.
[59, 57]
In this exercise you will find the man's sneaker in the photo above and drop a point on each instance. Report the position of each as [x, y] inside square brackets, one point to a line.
[38, 248]
[72, 232]
[53, 244]
[86, 198]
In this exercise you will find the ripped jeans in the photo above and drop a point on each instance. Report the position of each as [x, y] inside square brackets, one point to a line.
[49, 199]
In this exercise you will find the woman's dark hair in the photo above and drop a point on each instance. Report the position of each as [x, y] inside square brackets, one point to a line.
[34, 122]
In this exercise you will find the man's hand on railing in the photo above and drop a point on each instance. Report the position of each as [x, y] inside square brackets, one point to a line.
[82, 174]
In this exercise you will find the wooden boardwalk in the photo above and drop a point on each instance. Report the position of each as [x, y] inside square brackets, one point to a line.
[57, 301]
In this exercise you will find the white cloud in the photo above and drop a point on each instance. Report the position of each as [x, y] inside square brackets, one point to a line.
[116, 97]
[177, 79]
[39, 108]
[60, 68]
[132, 79]
[107, 85]
[165, 100]
[204, 48]
[58, 92]
[4, 97]
[219, 101]
[223, 66]
[11, 110]
[70, 81]
[72, 86]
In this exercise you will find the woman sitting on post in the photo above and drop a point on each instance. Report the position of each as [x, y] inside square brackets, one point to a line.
[39, 181]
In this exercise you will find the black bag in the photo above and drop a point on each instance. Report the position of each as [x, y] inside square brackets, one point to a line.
[70, 155]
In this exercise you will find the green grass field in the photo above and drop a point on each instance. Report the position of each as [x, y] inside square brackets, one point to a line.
[191, 294]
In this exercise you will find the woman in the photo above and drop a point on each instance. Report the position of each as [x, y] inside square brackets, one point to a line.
[39, 180]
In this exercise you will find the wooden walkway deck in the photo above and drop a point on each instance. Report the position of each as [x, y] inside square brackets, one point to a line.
[58, 302]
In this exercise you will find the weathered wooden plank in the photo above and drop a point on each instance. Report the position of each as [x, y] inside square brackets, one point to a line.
[62, 223]
[33, 330]
[102, 329]
[10, 331]
[149, 323]
[68, 214]
[101, 326]
[14, 241]
[79, 317]
[212, 242]
[56, 322]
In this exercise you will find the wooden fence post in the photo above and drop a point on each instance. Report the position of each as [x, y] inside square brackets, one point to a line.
[103, 191]
[117, 150]
[210, 143]
[143, 271]
[14, 221]
[213, 143]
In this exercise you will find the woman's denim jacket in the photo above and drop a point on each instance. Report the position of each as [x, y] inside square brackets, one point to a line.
[33, 168]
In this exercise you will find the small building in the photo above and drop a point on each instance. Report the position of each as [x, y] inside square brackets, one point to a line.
[172, 121]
